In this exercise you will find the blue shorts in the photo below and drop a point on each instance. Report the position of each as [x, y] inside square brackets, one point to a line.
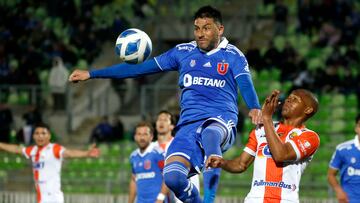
[187, 142]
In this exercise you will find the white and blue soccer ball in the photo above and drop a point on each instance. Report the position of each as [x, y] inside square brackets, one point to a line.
[133, 46]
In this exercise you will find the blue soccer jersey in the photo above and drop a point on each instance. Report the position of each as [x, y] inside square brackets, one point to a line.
[346, 159]
[147, 168]
[207, 79]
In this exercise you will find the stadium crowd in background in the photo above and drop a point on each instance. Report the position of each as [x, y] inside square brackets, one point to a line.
[58, 83]
[280, 151]
[107, 131]
[323, 57]
[346, 161]
[6, 122]
[33, 33]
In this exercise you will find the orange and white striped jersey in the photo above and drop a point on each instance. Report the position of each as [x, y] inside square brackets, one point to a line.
[274, 182]
[46, 162]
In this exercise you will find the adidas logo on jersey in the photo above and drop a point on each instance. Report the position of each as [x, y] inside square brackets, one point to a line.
[208, 64]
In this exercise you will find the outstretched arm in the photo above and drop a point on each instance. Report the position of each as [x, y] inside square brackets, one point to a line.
[122, 70]
[16, 149]
[74, 153]
[280, 151]
[340, 193]
[250, 97]
[237, 165]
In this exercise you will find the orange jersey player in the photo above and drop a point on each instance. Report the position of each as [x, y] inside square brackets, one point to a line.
[280, 151]
[46, 160]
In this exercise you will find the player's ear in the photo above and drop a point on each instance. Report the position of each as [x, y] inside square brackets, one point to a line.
[309, 110]
[221, 29]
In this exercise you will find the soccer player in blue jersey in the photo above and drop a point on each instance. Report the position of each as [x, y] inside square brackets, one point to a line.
[346, 160]
[210, 72]
[147, 163]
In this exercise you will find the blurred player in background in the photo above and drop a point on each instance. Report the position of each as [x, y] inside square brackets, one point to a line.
[147, 163]
[46, 160]
[210, 72]
[346, 159]
[165, 124]
[280, 151]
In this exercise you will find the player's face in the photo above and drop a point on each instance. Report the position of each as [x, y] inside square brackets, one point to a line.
[163, 124]
[207, 33]
[294, 105]
[41, 136]
[143, 137]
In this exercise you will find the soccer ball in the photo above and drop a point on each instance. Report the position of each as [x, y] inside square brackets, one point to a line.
[133, 46]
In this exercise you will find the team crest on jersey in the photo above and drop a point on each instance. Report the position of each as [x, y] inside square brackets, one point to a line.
[147, 164]
[293, 134]
[263, 150]
[222, 68]
[192, 63]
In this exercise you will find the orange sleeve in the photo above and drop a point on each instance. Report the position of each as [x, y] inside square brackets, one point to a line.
[252, 143]
[27, 151]
[57, 149]
[305, 144]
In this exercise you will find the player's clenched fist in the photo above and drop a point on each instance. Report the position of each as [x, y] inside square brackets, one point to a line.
[79, 75]
[214, 162]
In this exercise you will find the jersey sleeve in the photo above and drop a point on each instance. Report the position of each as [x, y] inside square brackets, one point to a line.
[58, 151]
[125, 70]
[248, 92]
[305, 144]
[336, 160]
[251, 146]
[241, 65]
[27, 151]
[132, 164]
[168, 60]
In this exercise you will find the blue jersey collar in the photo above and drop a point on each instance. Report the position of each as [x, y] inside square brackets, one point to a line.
[147, 150]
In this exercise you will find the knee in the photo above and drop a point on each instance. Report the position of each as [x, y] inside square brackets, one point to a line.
[175, 175]
[172, 179]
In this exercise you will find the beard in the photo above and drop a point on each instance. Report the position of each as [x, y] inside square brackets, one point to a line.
[210, 46]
